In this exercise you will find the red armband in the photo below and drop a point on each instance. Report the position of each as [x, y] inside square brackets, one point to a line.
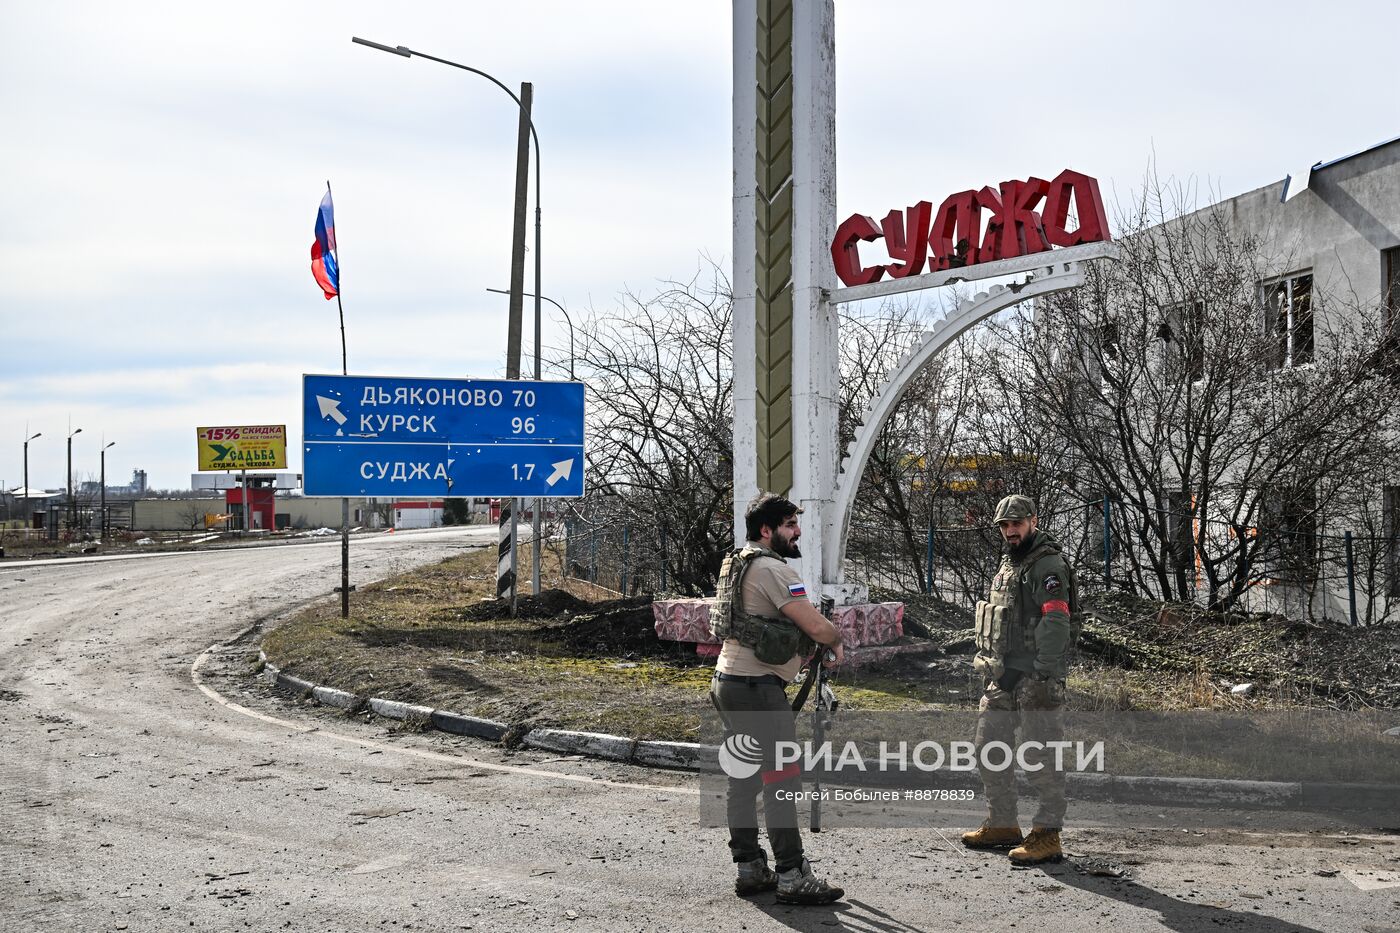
[1054, 605]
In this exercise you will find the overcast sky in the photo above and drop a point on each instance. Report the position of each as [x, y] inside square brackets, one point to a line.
[161, 164]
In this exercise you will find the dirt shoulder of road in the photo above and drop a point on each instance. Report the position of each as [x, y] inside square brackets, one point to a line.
[578, 657]
[575, 657]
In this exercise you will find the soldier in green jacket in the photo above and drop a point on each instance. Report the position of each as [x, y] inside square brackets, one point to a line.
[1024, 634]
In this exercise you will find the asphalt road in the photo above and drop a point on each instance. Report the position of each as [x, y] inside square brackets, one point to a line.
[138, 794]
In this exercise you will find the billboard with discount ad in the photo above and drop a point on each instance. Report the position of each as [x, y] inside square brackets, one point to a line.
[243, 447]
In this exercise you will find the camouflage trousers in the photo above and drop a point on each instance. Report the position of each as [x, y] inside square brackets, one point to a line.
[1036, 709]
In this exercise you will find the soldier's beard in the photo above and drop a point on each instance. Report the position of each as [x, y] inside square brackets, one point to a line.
[1021, 548]
[785, 547]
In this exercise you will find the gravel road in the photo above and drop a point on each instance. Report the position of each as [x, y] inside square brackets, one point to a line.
[137, 795]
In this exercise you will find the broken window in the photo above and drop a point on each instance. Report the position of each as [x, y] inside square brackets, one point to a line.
[1180, 529]
[1110, 355]
[1391, 296]
[1288, 320]
[1093, 532]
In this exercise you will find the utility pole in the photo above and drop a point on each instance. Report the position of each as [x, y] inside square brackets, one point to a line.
[510, 508]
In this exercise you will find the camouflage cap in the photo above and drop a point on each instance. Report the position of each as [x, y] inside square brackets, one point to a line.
[1013, 507]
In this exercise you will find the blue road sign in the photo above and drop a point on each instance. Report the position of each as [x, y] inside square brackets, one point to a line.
[398, 436]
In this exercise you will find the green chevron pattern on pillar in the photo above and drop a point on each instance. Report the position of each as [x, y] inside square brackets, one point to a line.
[773, 298]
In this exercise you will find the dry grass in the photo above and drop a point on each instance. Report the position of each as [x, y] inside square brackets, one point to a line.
[408, 638]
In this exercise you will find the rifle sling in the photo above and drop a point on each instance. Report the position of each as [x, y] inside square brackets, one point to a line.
[813, 668]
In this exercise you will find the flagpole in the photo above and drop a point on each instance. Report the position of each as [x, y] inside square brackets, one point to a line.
[344, 370]
[344, 500]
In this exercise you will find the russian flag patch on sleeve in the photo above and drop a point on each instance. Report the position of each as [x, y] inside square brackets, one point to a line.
[797, 589]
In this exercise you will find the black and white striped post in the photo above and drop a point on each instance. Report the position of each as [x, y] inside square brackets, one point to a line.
[505, 552]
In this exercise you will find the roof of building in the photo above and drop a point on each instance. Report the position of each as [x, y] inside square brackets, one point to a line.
[1332, 162]
[19, 492]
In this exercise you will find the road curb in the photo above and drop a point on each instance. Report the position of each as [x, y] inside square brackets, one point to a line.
[696, 757]
[329, 696]
[1186, 791]
[594, 744]
[395, 709]
[678, 756]
[472, 726]
[682, 756]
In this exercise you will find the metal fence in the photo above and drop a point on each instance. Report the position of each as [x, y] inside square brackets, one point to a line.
[1310, 573]
[1299, 573]
[624, 557]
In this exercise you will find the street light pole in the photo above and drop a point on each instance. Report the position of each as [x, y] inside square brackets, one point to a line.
[28, 517]
[72, 505]
[523, 102]
[567, 320]
[406, 52]
[102, 516]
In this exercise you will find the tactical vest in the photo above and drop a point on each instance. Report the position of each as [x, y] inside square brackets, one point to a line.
[1003, 622]
[996, 613]
[773, 641]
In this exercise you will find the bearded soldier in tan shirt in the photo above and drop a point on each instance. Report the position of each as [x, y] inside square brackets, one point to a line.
[762, 612]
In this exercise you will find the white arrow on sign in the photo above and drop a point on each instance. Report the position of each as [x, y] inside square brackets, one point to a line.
[562, 469]
[330, 407]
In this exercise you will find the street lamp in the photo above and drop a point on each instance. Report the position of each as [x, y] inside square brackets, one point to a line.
[521, 167]
[567, 320]
[72, 505]
[410, 53]
[28, 518]
[102, 516]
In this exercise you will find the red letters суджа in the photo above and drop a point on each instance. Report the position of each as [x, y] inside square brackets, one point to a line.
[955, 236]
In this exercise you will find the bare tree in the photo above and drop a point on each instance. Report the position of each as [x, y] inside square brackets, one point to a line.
[660, 373]
[1222, 437]
[193, 513]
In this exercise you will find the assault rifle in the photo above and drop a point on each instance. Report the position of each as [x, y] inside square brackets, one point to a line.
[823, 708]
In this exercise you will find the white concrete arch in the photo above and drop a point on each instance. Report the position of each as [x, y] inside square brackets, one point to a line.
[1057, 277]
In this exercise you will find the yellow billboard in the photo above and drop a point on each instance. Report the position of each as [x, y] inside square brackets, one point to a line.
[243, 447]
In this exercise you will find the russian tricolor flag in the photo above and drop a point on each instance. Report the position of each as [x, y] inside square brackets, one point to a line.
[323, 264]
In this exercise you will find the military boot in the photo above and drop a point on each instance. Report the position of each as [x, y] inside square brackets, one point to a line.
[992, 837]
[800, 886]
[754, 878]
[1042, 845]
